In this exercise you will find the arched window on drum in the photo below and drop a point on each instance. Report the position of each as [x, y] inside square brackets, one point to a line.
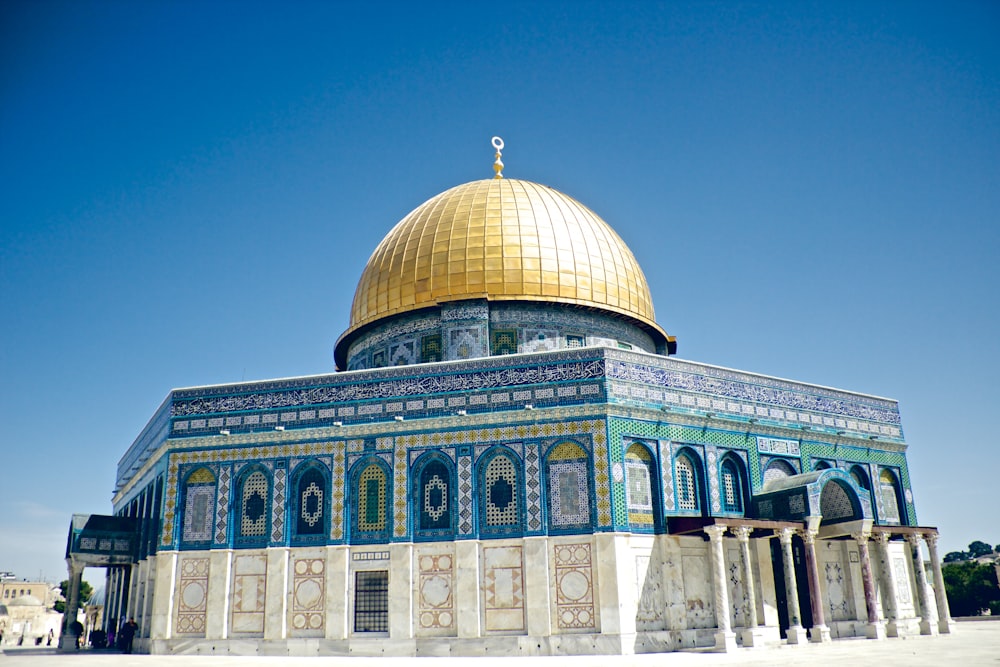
[892, 502]
[501, 510]
[311, 504]
[568, 488]
[433, 498]
[778, 469]
[199, 507]
[254, 508]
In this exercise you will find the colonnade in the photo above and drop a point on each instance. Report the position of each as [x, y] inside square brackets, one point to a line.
[932, 619]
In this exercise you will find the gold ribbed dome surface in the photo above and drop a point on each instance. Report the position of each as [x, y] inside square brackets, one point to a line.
[501, 239]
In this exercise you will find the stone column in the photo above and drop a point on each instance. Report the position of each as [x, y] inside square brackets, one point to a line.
[725, 638]
[820, 632]
[796, 633]
[67, 640]
[890, 596]
[752, 635]
[945, 624]
[875, 628]
[927, 625]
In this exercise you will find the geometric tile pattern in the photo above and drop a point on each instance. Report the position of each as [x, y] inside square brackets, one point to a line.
[337, 497]
[532, 488]
[399, 479]
[465, 495]
[222, 504]
[307, 611]
[436, 600]
[712, 458]
[666, 475]
[192, 596]
[574, 587]
[278, 506]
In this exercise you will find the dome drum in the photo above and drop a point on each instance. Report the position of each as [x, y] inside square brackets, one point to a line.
[477, 328]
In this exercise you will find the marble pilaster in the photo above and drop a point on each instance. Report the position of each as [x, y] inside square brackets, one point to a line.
[401, 591]
[725, 638]
[67, 640]
[945, 623]
[796, 633]
[338, 574]
[467, 589]
[220, 563]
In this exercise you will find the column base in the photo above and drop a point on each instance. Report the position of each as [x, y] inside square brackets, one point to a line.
[946, 627]
[892, 629]
[796, 635]
[752, 637]
[820, 634]
[725, 642]
[928, 627]
[875, 630]
[67, 644]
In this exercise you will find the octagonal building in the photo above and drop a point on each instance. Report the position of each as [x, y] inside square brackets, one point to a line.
[510, 459]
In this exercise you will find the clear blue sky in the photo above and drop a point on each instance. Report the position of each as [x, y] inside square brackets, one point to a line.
[189, 192]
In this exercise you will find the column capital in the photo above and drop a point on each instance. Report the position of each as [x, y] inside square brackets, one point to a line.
[915, 539]
[931, 539]
[882, 538]
[785, 535]
[742, 533]
[862, 536]
[716, 531]
[808, 535]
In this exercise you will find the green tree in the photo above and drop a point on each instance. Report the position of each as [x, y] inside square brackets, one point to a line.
[86, 590]
[972, 587]
[955, 556]
[977, 549]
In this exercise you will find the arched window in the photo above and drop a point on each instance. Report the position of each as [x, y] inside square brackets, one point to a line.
[370, 509]
[640, 487]
[199, 507]
[822, 465]
[254, 508]
[311, 505]
[433, 498]
[860, 477]
[688, 487]
[836, 503]
[500, 497]
[568, 482]
[891, 503]
[733, 485]
[778, 469]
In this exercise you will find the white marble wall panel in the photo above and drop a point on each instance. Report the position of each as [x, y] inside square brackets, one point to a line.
[249, 590]
[739, 610]
[192, 596]
[503, 589]
[698, 594]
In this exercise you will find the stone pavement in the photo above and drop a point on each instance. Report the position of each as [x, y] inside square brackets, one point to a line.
[974, 644]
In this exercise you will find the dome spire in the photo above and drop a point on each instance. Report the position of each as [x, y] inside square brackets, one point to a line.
[498, 164]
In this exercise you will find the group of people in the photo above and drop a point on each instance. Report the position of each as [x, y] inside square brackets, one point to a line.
[100, 639]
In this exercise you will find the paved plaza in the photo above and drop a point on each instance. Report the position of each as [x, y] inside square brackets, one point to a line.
[974, 644]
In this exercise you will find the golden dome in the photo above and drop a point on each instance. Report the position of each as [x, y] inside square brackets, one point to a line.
[502, 240]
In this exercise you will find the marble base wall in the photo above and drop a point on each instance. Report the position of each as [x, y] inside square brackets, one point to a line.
[582, 594]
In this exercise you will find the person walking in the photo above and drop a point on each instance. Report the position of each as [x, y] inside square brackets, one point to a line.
[127, 634]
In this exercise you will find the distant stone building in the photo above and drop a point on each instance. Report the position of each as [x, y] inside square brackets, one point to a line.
[510, 460]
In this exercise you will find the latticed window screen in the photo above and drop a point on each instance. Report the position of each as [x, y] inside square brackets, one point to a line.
[434, 497]
[639, 485]
[778, 469]
[732, 487]
[199, 506]
[501, 502]
[371, 601]
[890, 505]
[253, 515]
[311, 492]
[569, 486]
[687, 484]
[371, 499]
